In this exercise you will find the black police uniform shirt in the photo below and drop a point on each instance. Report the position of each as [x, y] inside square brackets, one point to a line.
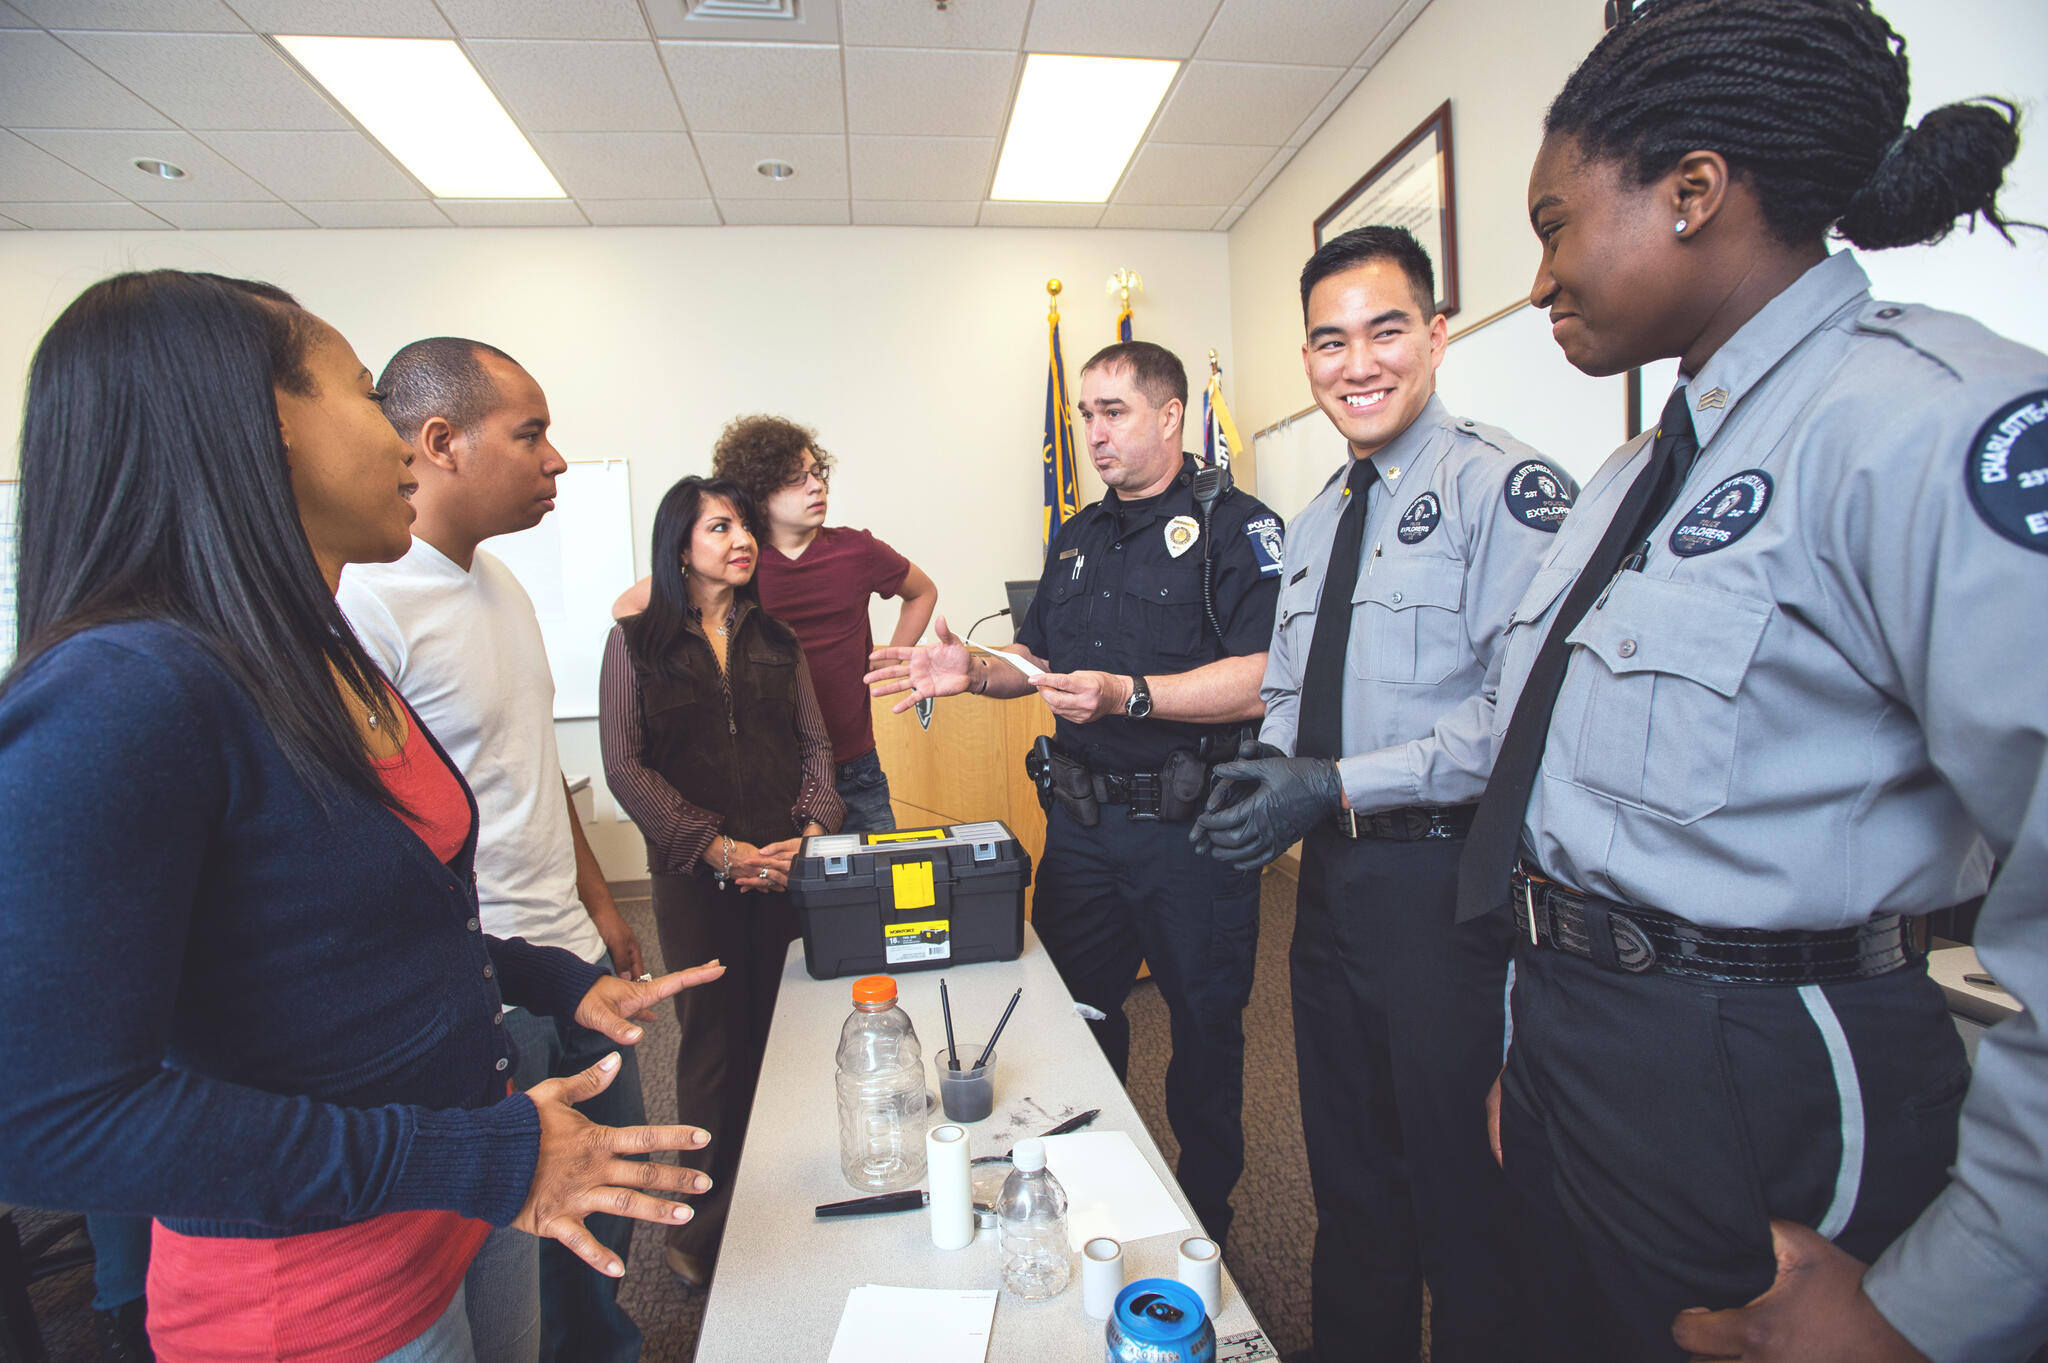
[1122, 593]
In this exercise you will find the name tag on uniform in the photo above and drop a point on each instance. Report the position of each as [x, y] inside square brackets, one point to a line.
[1069, 553]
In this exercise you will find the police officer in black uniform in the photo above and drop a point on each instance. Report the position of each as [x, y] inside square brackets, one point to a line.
[1153, 615]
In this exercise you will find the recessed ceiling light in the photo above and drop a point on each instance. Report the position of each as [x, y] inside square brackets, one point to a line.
[149, 165]
[422, 99]
[1074, 125]
[774, 170]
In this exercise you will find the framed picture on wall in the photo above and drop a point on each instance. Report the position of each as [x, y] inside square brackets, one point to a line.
[1410, 187]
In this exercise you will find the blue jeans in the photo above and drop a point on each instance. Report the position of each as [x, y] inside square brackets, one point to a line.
[120, 1259]
[864, 786]
[495, 1316]
[581, 1320]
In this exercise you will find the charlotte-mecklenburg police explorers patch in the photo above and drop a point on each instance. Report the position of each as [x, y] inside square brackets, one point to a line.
[1419, 519]
[1724, 515]
[1536, 496]
[2008, 473]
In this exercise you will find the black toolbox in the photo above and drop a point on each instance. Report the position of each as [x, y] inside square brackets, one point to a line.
[915, 899]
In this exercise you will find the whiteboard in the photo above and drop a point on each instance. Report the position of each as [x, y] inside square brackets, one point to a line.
[1509, 374]
[574, 564]
[10, 555]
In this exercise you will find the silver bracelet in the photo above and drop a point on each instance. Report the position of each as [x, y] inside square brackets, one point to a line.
[725, 875]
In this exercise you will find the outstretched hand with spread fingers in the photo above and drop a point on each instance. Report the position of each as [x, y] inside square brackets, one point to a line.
[924, 670]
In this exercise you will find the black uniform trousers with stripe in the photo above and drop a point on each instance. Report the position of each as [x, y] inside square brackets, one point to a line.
[1652, 1126]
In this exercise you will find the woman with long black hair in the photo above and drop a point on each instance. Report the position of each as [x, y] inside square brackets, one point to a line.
[714, 742]
[242, 984]
[1777, 691]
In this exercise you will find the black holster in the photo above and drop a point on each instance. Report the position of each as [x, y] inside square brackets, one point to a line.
[1183, 786]
[1073, 788]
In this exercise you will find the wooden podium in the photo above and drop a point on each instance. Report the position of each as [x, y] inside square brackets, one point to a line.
[967, 767]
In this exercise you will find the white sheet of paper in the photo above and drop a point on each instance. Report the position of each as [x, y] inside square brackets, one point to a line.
[1021, 663]
[1111, 1190]
[914, 1325]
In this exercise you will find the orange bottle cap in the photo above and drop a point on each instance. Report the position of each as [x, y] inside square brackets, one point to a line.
[874, 989]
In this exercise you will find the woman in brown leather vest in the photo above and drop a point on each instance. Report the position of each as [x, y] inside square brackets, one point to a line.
[714, 743]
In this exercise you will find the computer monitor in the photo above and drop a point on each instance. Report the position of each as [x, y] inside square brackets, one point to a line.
[1020, 601]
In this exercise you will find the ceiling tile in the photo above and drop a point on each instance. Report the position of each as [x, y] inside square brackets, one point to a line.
[1242, 102]
[30, 173]
[986, 24]
[916, 90]
[651, 212]
[209, 216]
[869, 213]
[951, 168]
[624, 165]
[10, 17]
[50, 86]
[513, 212]
[145, 16]
[317, 166]
[757, 87]
[994, 214]
[357, 19]
[1265, 177]
[547, 18]
[1391, 32]
[1174, 173]
[109, 157]
[580, 87]
[1229, 218]
[387, 213]
[1319, 115]
[10, 225]
[766, 212]
[814, 23]
[210, 80]
[84, 217]
[1305, 31]
[730, 158]
[1142, 28]
[1173, 219]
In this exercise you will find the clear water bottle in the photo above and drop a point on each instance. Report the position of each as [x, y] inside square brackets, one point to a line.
[1033, 1211]
[881, 1091]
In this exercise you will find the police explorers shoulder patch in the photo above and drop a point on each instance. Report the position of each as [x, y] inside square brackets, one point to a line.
[1268, 543]
[2008, 471]
[1419, 519]
[1536, 496]
[1724, 515]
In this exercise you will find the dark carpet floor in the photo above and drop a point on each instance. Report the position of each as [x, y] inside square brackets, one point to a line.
[1269, 1243]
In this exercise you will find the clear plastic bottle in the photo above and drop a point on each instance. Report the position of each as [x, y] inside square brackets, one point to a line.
[1033, 1211]
[881, 1091]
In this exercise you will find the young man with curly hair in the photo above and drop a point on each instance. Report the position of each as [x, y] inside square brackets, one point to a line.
[817, 580]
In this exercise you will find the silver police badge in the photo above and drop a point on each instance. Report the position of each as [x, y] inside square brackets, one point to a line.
[1181, 534]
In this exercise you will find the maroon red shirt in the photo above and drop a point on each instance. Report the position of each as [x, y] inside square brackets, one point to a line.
[823, 596]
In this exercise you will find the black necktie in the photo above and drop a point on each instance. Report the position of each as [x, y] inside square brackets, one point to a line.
[1320, 732]
[1491, 846]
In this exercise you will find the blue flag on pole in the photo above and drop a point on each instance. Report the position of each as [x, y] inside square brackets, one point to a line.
[1062, 482]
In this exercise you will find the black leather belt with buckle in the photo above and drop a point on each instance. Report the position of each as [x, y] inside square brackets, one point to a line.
[1406, 825]
[1622, 937]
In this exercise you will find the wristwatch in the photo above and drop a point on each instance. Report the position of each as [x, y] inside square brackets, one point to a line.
[1139, 703]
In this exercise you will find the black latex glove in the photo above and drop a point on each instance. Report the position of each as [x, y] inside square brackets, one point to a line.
[1223, 794]
[1287, 797]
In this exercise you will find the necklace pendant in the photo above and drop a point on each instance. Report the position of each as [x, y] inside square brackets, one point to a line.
[373, 719]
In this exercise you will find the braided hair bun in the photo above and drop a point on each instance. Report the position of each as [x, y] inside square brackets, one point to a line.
[1807, 101]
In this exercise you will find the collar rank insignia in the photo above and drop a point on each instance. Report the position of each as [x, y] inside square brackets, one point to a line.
[1713, 397]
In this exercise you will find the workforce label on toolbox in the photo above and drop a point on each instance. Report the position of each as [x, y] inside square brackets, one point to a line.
[906, 942]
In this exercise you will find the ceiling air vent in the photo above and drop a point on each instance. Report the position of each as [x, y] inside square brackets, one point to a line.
[754, 10]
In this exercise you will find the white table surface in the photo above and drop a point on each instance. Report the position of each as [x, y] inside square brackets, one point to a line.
[783, 1274]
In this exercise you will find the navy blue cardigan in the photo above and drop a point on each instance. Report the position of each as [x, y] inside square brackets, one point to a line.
[220, 1005]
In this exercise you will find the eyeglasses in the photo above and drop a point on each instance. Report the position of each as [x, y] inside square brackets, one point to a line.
[804, 475]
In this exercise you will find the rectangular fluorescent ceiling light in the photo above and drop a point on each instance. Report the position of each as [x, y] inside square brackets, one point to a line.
[1075, 124]
[422, 99]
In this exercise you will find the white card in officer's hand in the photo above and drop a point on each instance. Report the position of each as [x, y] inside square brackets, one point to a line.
[1016, 660]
